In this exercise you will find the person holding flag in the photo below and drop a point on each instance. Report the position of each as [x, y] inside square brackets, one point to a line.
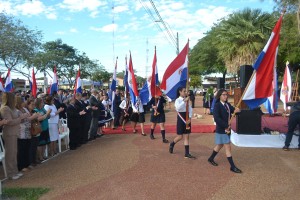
[54, 85]
[136, 104]
[157, 103]
[182, 123]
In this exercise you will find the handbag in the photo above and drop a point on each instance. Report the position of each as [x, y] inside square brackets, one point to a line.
[36, 128]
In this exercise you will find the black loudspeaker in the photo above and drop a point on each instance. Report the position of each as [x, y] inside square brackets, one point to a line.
[220, 83]
[248, 122]
[245, 75]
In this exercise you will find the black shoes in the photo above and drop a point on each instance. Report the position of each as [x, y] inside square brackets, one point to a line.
[189, 156]
[165, 141]
[285, 148]
[212, 162]
[236, 170]
[152, 137]
[171, 147]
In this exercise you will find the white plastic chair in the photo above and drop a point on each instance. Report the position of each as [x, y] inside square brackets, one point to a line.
[2, 155]
[63, 134]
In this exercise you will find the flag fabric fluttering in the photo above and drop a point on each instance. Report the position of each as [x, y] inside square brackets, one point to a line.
[176, 75]
[78, 83]
[150, 88]
[33, 84]
[113, 86]
[132, 85]
[271, 104]
[54, 85]
[126, 78]
[1, 85]
[260, 86]
[8, 87]
[286, 87]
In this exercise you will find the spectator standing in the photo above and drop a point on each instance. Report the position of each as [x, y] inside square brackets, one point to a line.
[11, 131]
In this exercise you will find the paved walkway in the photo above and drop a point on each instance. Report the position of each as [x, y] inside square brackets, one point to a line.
[135, 167]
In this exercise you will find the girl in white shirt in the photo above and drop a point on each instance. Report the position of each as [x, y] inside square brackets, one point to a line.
[138, 116]
[183, 124]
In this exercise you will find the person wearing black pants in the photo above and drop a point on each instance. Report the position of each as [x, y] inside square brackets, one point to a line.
[117, 109]
[182, 122]
[294, 120]
[222, 114]
[81, 107]
[88, 117]
[74, 124]
[158, 116]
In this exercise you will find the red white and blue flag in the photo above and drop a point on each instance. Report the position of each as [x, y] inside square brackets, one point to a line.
[286, 87]
[132, 84]
[176, 74]
[1, 85]
[54, 85]
[150, 88]
[78, 83]
[126, 78]
[8, 83]
[113, 86]
[33, 85]
[261, 87]
[271, 104]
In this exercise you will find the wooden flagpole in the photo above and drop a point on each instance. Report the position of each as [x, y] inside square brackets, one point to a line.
[187, 90]
[295, 88]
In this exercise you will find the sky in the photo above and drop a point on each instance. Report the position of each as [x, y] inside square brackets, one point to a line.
[106, 29]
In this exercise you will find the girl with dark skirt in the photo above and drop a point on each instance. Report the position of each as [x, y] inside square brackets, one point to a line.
[158, 116]
[126, 112]
[138, 115]
[182, 131]
[222, 114]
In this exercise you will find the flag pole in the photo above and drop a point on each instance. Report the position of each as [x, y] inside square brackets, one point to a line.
[240, 100]
[187, 89]
[155, 113]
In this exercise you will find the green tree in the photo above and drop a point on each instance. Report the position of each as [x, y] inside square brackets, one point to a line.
[195, 81]
[203, 58]
[241, 37]
[18, 44]
[67, 60]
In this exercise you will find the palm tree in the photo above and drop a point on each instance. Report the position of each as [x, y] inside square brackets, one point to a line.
[242, 36]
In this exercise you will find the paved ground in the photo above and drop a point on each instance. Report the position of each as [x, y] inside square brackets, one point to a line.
[134, 167]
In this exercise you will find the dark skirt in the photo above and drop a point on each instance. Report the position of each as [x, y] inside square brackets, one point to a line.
[138, 117]
[124, 118]
[44, 138]
[161, 118]
[181, 126]
[101, 120]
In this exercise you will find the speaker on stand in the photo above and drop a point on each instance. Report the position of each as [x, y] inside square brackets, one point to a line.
[220, 83]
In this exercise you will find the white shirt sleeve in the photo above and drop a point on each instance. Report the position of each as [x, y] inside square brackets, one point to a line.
[123, 104]
[180, 105]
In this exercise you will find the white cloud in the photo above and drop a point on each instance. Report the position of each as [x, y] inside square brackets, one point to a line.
[119, 9]
[79, 5]
[60, 33]
[73, 30]
[28, 8]
[107, 28]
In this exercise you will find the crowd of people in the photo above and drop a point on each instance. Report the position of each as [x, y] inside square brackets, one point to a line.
[88, 112]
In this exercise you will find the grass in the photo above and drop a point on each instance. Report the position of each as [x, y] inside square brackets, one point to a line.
[24, 193]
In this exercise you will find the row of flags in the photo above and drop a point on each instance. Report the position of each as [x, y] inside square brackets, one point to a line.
[262, 87]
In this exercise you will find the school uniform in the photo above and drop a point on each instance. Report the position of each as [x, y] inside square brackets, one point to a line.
[160, 117]
[180, 107]
[137, 113]
[126, 110]
[222, 114]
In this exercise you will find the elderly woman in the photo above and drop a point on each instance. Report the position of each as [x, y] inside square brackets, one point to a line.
[24, 136]
[44, 137]
[53, 123]
[10, 133]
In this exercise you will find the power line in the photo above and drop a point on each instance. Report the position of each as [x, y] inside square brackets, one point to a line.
[163, 22]
[148, 11]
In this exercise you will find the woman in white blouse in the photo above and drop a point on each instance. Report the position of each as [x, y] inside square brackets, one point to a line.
[183, 124]
[53, 123]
